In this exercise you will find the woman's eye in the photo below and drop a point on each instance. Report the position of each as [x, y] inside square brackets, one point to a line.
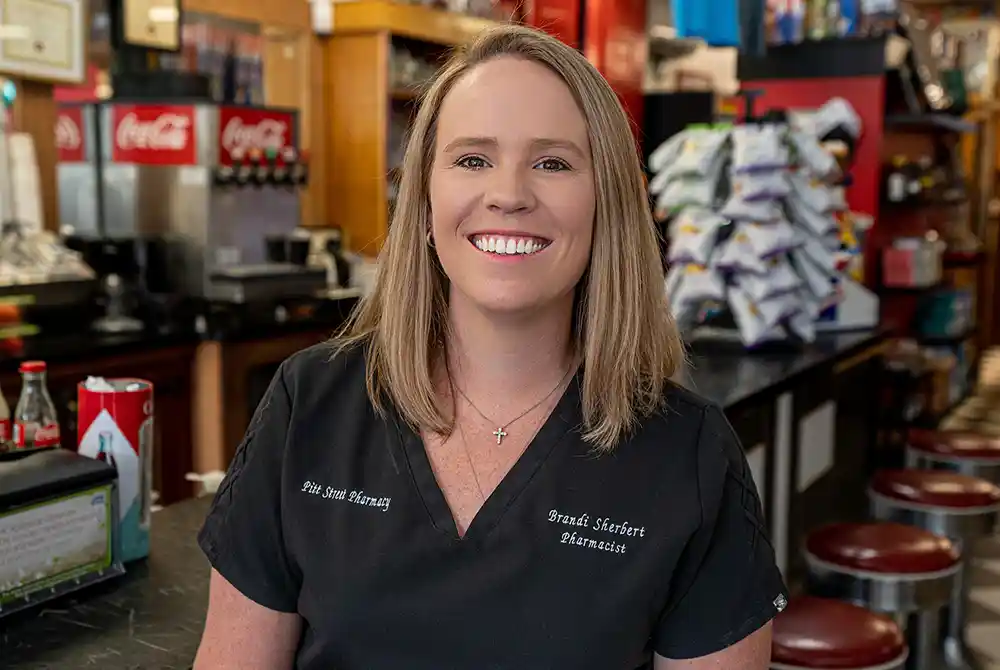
[472, 162]
[553, 165]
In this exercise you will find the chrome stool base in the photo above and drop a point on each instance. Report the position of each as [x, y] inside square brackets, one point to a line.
[962, 526]
[956, 655]
[916, 601]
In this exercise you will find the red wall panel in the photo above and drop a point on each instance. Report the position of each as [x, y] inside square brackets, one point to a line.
[560, 18]
[615, 42]
[866, 95]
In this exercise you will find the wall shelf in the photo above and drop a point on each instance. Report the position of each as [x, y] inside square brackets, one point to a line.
[361, 98]
[413, 21]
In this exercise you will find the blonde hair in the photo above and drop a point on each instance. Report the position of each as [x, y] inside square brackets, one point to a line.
[628, 345]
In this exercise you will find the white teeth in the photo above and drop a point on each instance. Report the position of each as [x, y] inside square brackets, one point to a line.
[506, 246]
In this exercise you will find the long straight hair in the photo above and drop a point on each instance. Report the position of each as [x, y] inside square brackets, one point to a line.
[623, 334]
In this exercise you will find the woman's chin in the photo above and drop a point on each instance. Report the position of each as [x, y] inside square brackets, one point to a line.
[506, 303]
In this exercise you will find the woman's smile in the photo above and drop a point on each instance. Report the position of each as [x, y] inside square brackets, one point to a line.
[509, 246]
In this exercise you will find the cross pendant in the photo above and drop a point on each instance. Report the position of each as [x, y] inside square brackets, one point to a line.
[499, 432]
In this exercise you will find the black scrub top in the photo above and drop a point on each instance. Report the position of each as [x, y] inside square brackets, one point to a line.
[575, 561]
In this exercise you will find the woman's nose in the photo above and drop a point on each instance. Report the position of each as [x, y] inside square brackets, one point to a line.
[509, 191]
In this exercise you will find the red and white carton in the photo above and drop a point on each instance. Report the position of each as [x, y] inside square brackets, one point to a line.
[115, 424]
[153, 134]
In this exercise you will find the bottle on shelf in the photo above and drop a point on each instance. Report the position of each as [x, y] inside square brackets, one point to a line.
[230, 74]
[5, 428]
[914, 182]
[36, 423]
[929, 185]
[896, 182]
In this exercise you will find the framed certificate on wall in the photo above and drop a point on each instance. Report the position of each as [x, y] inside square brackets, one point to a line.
[44, 39]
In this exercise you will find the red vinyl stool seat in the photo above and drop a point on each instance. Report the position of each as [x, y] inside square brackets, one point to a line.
[959, 504]
[936, 488]
[882, 548]
[822, 633]
[954, 444]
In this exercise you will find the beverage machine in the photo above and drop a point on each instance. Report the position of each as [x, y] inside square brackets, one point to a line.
[216, 184]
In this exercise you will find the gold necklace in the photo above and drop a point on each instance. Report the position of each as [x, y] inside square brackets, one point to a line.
[501, 431]
[472, 465]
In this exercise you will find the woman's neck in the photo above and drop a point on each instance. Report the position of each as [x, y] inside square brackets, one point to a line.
[497, 360]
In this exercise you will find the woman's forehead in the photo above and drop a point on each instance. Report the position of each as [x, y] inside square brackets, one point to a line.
[509, 97]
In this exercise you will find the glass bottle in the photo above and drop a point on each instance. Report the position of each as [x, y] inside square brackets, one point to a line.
[36, 423]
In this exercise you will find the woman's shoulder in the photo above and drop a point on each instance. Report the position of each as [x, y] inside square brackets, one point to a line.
[322, 370]
[690, 423]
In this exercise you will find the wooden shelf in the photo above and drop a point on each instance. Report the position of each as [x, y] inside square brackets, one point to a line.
[360, 98]
[413, 21]
[927, 122]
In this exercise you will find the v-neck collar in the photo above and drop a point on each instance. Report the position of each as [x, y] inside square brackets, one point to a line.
[564, 417]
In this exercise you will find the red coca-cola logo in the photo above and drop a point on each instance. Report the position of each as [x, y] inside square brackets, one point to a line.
[69, 135]
[242, 129]
[268, 134]
[167, 132]
[31, 433]
[153, 135]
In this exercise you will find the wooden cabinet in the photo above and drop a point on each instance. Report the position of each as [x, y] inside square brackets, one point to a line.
[358, 99]
[229, 377]
[170, 371]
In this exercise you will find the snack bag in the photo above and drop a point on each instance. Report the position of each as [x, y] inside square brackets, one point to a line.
[770, 185]
[815, 194]
[740, 209]
[693, 235]
[758, 147]
[811, 155]
[699, 152]
[736, 255]
[818, 282]
[812, 221]
[770, 239]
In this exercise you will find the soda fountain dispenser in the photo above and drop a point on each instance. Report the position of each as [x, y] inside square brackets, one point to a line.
[215, 179]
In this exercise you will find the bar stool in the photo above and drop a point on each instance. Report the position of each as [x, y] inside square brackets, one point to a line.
[819, 633]
[956, 506]
[892, 568]
[965, 452]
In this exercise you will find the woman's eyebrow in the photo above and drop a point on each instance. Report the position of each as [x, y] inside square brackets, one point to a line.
[493, 143]
[472, 143]
[568, 145]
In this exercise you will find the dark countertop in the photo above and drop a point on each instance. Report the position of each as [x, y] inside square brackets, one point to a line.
[151, 619]
[731, 378]
[236, 325]
[63, 348]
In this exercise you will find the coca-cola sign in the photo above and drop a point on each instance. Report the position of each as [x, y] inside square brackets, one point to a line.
[244, 128]
[69, 134]
[153, 135]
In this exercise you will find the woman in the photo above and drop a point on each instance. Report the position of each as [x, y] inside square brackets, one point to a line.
[490, 467]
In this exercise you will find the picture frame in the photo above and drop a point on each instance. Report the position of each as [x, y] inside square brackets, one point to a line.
[151, 24]
[53, 46]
